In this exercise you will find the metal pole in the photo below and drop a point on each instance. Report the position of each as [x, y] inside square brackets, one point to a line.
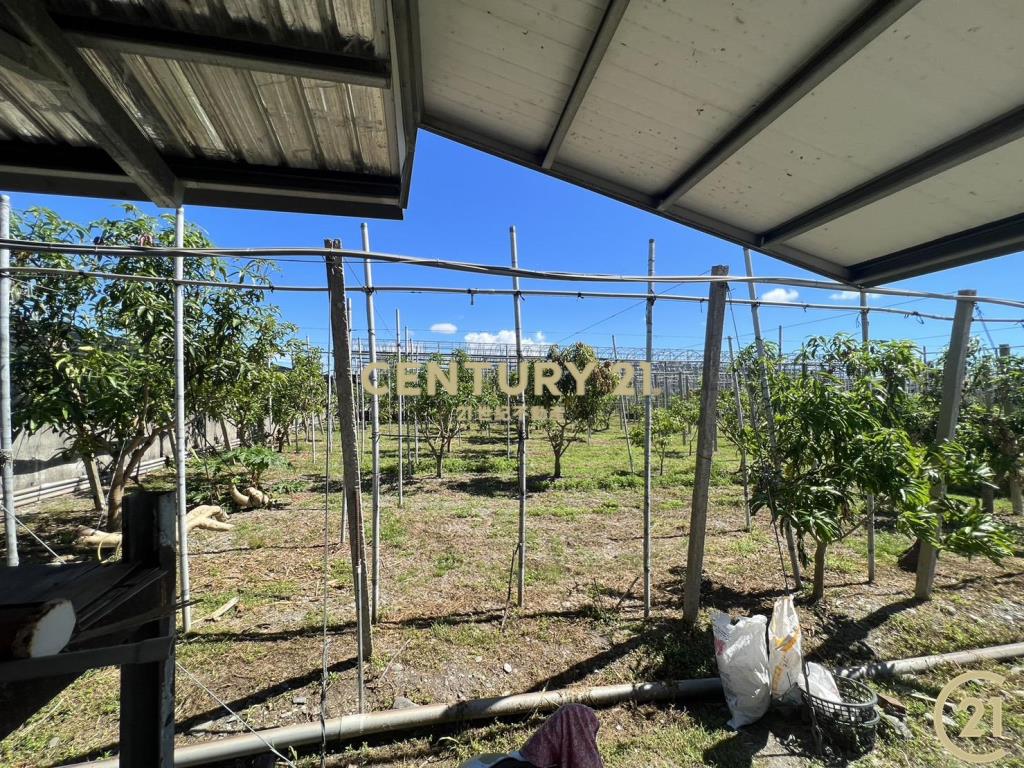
[623, 415]
[508, 410]
[179, 418]
[342, 338]
[415, 417]
[742, 446]
[371, 334]
[648, 424]
[6, 439]
[949, 409]
[780, 343]
[401, 404]
[706, 426]
[870, 500]
[521, 437]
[769, 412]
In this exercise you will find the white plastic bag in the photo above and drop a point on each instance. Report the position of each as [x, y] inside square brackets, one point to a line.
[822, 684]
[784, 652]
[742, 657]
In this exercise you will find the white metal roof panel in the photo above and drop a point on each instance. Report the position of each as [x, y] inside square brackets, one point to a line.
[678, 74]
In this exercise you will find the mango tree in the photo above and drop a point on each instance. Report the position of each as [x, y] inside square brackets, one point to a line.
[581, 394]
[94, 358]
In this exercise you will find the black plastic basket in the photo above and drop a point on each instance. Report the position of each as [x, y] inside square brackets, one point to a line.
[850, 725]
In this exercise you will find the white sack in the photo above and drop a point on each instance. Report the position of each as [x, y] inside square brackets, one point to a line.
[784, 652]
[742, 656]
[822, 684]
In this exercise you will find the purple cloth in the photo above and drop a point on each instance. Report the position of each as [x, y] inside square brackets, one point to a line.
[567, 739]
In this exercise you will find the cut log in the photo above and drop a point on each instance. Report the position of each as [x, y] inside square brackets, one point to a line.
[210, 517]
[240, 499]
[257, 498]
[28, 630]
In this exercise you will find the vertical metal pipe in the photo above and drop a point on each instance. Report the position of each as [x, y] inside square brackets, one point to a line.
[179, 418]
[769, 412]
[869, 521]
[508, 410]
[648, 425]
[781, 356]
[401, 404]
[520, 369]
[371, 333]
[742, 447]
[6, 440]
[949, 410]
[623, 416]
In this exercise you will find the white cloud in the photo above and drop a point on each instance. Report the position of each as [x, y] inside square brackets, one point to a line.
[504, 337]
[784, 295]
[844, 296]
[444, 328]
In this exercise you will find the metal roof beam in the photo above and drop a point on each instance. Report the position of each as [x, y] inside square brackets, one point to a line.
[996, 238]
[65, 170]
[24, 60]
[602, 39]
[180, 45]
[985, 138]
[851, 39]
[107, 121]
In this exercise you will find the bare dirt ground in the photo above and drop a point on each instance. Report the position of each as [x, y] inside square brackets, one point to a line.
[445, 578]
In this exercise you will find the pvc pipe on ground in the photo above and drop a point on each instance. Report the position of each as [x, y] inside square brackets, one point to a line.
[359, 725]
[886, 669]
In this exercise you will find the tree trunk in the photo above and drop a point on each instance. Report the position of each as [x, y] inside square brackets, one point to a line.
[439, 465]
[988, 499]
[558, 465]
[92, 473]
[1016, 497]
[819, 572]
[225, 435]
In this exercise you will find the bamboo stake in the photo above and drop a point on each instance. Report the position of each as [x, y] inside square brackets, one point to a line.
[341, 335]
[949, 409]
[705, 445]
[371, 333]
[521, 432]
[769, 412]
[624, 416]
[870, 500]
[743, 448]
[648, 424]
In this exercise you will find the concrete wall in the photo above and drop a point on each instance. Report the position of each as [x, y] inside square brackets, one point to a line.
[40, 473]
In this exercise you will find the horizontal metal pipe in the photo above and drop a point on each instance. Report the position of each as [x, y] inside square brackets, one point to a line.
[472, 292]
[481, 269]
[356, 726]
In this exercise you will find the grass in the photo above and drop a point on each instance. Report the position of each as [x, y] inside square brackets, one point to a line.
[445, 633]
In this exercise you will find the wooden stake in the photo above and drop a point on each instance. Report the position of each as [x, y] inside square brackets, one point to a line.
[521, 432]
[742, 447]
[349, 446]
[706, 427]
[949, 410]
[870, 501]
[769, 412]
[648, 423]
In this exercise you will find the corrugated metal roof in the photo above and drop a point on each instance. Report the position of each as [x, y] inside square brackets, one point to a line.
[227, 92]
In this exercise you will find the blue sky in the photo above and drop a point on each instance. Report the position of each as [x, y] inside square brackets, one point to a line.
[461, 206]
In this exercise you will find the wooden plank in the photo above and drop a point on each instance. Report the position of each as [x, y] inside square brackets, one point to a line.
[706, 427]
